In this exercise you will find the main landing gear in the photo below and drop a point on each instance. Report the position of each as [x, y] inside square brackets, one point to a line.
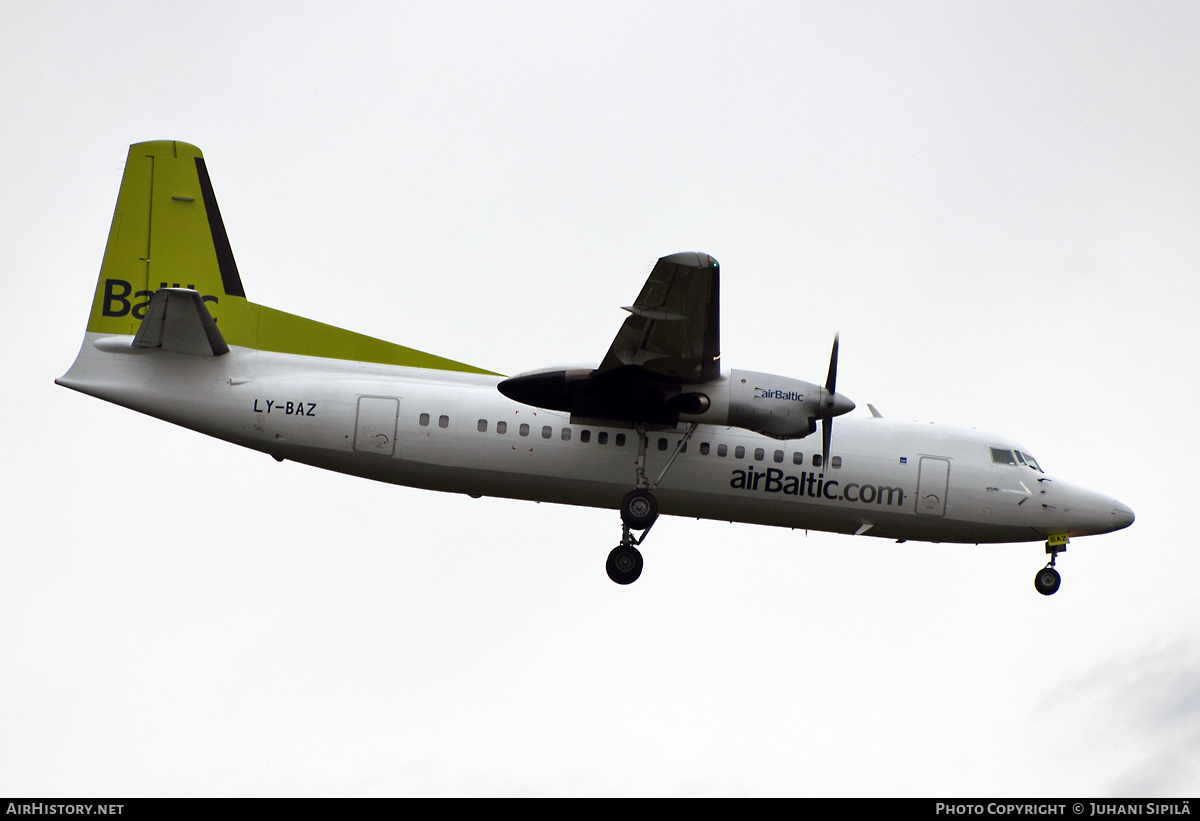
[639, 511]
[624, 563]
[1047, 579]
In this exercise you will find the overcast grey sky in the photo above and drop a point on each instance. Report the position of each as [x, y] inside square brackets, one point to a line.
[997, 204]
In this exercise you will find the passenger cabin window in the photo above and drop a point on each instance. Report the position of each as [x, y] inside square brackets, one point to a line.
[602, 438]
[423, 419]
[501, 427]
[722, 450]
[547, 432]
[778, 457]
[662, 443]
[759, 454]
[566, 435]
[816, 460]
[797, 458]
[1002, 457]
[704, 448]
[739, 452]
[585, 436]
[524, 429]
[482, 426]
[443, 421]
[835, 462]
[620, 440]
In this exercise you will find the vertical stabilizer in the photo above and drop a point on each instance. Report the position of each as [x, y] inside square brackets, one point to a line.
[167, 233]
[167, 238]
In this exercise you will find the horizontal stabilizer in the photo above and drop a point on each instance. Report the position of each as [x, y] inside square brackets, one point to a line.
[178, 321]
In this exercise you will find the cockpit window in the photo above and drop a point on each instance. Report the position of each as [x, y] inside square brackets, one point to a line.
[1001, 456]
[1026, 459]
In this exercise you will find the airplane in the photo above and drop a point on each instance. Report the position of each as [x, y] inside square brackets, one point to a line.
[656, 428]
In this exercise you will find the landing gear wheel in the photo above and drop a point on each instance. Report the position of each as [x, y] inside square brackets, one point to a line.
[639, 509]
[1047, 581]
[624, 564]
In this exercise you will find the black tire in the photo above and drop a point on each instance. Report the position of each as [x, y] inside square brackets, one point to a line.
[1047, 581]
[624, 564]
[639, 509]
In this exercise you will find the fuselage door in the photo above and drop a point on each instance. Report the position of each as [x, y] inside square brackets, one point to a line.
[933, 478]
[375, 431]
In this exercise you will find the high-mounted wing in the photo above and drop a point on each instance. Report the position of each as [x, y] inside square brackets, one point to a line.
[664, 367]
[671, 339]
[673, 332]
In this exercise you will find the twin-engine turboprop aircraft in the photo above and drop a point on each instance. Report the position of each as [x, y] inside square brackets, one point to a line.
[656, 427]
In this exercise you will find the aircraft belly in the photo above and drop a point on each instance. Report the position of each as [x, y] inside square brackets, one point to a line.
[604, 488]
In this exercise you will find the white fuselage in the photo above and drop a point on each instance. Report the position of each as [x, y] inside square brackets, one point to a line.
[455, 432]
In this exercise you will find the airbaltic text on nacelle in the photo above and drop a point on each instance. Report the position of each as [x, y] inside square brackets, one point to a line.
[776, 393]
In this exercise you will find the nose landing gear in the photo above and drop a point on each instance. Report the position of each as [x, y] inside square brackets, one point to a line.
[1047, 579]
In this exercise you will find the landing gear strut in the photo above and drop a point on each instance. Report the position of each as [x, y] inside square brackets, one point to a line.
[639, 511]
[1047, 579]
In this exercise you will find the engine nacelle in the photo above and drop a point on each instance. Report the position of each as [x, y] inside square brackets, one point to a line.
[776, 406]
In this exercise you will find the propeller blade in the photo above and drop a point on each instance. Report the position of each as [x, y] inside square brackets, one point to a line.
[831, 380]
[830, 392]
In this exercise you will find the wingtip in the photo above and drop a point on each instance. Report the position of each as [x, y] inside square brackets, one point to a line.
[691, 259]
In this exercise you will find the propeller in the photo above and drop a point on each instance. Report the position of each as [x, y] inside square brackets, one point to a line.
[831, 404]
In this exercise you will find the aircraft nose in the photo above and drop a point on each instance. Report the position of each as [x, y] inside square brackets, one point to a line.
[1122, 516]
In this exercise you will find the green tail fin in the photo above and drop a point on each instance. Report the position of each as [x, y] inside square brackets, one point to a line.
[167, 232]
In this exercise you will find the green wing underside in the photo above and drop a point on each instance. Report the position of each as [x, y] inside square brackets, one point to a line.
[673, 332]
